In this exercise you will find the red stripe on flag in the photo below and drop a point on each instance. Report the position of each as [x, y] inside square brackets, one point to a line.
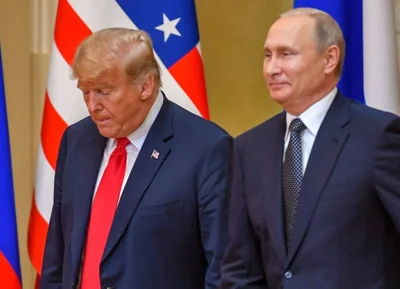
[69, 30]
[37, 234]
[53, 127]
[188, 72]
[37, 282]
[8, 278]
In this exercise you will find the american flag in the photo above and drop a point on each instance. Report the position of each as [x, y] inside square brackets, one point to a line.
[173, 27]
[155, 154]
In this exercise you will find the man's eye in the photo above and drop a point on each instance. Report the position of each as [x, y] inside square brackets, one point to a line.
[104, 91]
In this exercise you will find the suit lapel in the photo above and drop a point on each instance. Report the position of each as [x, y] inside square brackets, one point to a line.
[272, 186]
[86, 170]
[327, 146]
[143, 172]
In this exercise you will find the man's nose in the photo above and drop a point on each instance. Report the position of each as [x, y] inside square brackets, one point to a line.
[92, 101]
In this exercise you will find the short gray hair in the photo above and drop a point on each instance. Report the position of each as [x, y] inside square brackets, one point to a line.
[327, 31]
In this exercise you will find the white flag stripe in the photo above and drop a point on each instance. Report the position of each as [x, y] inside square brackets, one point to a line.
[64, 95]
[116, 17]
[44, 186]
[198, 47]
[381, 76]
[89, 11]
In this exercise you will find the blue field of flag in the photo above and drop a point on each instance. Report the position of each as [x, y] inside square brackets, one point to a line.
[149, 14]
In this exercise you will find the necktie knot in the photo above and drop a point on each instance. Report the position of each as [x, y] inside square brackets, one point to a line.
[297, 126]
[122, 142]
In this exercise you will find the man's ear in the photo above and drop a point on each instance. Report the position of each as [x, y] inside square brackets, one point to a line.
[147, 88]
[331, 58]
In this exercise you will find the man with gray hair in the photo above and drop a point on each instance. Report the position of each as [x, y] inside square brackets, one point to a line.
[315, 201]
[140, 192]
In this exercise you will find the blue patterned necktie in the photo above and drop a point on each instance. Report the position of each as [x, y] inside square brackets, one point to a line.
[292, 176]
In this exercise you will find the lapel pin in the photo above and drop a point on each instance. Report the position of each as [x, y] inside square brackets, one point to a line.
[155, 154]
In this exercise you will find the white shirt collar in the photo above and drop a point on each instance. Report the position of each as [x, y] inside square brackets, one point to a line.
[138, 137]
[314, 115]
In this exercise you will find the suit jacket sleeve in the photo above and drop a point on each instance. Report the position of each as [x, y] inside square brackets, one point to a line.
[242, 265]
[213, 211]
[51, 277]
[387, 171]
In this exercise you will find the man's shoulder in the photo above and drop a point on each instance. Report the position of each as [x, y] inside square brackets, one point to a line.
[191, 124]
[82, 126]
[263, 129]
[370, 117]
[80, 132]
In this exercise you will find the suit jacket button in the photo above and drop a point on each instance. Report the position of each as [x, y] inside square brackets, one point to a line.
[288, 275]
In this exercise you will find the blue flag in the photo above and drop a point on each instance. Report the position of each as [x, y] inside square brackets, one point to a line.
[10, 272]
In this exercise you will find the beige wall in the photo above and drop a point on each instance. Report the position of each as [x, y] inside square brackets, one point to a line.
[232, 39]
[232, 36]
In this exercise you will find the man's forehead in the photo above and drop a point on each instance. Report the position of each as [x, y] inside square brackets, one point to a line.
[102, 81]
[287, 30]
[93, 84]
[293, 21]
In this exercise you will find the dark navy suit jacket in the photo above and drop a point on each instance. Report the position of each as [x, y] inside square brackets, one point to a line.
[346, 233]
[170, 228]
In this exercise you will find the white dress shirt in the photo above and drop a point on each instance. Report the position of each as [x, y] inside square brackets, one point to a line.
[137, 139]
[312, 119]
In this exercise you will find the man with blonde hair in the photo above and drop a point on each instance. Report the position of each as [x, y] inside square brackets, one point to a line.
[141, 185]
[315, 201]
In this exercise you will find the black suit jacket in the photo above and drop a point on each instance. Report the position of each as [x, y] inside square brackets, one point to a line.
[346, 233]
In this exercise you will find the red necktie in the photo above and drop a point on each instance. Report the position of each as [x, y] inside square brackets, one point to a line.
[102, 214]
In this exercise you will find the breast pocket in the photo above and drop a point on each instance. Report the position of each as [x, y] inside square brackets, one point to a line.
[160, 209]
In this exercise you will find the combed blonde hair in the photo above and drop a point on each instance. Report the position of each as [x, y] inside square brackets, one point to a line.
[112, 51]
[327, 31]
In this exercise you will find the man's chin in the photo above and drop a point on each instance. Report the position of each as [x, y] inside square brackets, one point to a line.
[107, 132]
[279, 97]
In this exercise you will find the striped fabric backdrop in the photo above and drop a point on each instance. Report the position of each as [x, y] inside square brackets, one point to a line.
[173, 28]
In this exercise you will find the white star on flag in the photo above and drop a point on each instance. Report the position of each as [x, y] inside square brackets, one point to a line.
[169, 27]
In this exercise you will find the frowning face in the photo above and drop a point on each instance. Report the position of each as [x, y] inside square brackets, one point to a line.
[115, 105]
